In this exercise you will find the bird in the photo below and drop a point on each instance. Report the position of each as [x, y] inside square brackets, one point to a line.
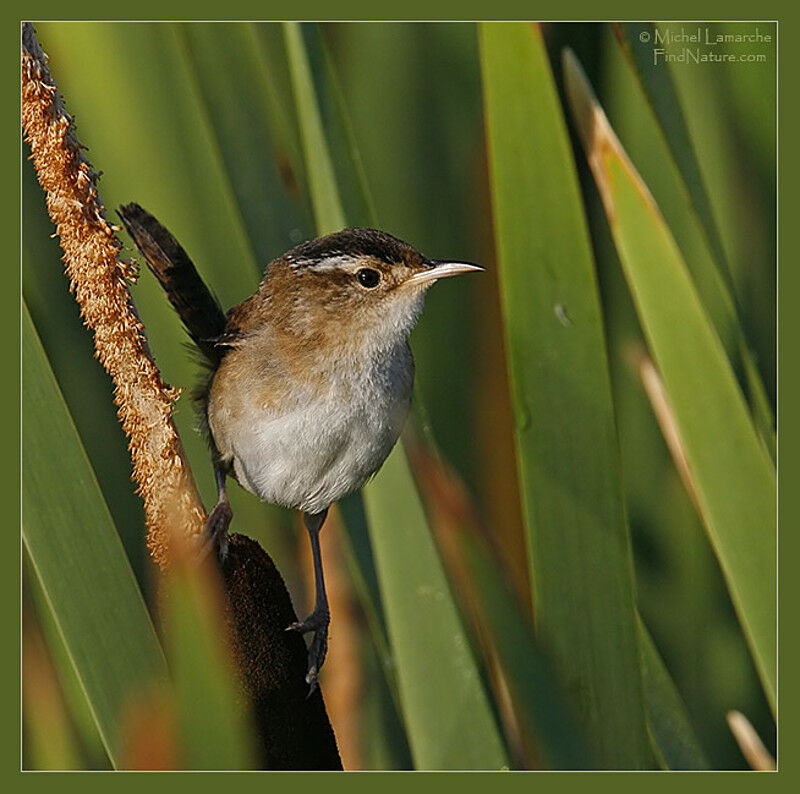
[309, 380]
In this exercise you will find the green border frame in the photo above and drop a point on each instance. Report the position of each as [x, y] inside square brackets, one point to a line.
[788, 471]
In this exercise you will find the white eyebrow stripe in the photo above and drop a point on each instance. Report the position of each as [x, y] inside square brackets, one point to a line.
[338, 262]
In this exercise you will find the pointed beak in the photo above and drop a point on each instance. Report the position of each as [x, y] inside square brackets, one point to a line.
[440, 268]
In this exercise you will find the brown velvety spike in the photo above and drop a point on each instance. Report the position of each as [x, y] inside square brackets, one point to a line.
[175, 271]
[294, 729]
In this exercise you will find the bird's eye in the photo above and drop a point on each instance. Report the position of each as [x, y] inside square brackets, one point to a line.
[368, 277]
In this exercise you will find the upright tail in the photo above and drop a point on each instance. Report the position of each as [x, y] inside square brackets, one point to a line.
[190, 297]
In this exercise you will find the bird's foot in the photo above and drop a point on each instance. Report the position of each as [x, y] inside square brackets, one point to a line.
[216, 530]
[318, 622]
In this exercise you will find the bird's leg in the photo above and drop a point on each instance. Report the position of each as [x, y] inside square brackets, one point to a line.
[319, 619]
[219, 519]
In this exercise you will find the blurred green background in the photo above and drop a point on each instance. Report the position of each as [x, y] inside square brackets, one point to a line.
[199, 123]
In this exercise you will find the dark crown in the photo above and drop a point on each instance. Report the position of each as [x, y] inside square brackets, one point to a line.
[354, 242]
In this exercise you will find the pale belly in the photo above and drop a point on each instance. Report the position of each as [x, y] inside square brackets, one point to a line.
[321, 449]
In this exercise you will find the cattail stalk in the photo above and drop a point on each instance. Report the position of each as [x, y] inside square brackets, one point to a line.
[99, 280]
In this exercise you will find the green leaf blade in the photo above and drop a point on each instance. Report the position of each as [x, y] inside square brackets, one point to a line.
[329, 214]
[659, 88]
[79, 559]
[667, 718]
[535, 691]
[215, 732]
[731, 471]
[447, 714]
[566, 440]
[660, 92]
[247, 126]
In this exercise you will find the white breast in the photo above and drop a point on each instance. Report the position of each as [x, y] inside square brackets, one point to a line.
[328, 442]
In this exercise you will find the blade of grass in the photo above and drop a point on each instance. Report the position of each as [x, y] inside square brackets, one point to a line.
[78, 557]
[566, 437]
[531, 705]
[446, 711]
[256, 163]
[214, 732]
[750, 743]
[384, 737]
[673, 735]
[346, 168]
[49, 740]
[534, 687]
[269, 45]
[94, 755]
[733, 475]
[659, 89]
[723, 108]
[362, 568]
[681, 593]
[329, 215]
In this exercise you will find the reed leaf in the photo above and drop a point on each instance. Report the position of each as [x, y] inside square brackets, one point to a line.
[731, 472]
[50, 741]
[578, 542]
[673, 735]
[93, 753]
[661, 94]
[78, 557]
[532, 681]
[214, 732]
[247, 126]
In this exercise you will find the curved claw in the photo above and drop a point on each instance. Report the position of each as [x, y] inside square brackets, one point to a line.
[318, 619]
[216, 530]
[311, 680]
[316, 656]
[317, 622]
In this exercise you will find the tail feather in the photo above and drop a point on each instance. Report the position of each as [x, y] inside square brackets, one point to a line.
[170, 264]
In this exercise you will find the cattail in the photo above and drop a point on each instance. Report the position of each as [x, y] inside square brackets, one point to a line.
[99, 280]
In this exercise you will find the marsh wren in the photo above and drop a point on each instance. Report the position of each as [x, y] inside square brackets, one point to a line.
[310, 378]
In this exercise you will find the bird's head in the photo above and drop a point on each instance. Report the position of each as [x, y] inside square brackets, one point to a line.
[357, 285]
